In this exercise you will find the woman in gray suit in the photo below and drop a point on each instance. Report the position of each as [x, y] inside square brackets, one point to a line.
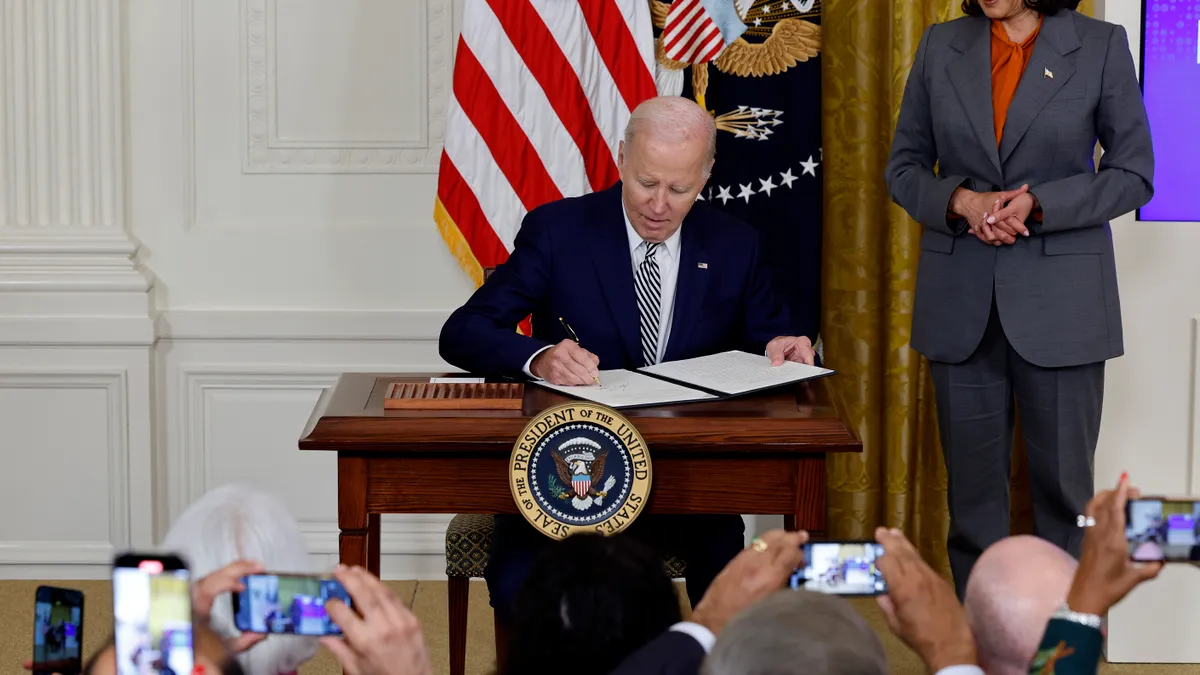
[1016, 287]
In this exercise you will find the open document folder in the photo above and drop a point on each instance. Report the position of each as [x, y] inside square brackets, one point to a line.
[704, 378]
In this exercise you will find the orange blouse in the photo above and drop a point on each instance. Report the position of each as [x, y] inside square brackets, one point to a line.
[1008, 64]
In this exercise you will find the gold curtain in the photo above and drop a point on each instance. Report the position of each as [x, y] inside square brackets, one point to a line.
[869, 274]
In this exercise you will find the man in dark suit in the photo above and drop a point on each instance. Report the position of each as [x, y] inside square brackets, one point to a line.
[642, 274]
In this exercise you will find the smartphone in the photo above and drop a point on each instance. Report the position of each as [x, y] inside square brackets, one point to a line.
[57, 631]
[152, 615]
[1158, 529]
[287, 603]
[841, 568]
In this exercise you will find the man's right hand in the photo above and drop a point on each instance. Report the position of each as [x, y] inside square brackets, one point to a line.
[566, 363]
[975, 207]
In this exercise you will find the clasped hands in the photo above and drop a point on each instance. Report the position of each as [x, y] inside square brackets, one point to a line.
[995, 217]
[566, 363]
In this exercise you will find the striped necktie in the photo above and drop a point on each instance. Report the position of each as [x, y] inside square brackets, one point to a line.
[648, 284]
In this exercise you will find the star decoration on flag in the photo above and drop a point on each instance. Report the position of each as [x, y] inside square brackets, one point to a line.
[723, 194]
[746, 193]
[809, 167]
[766, 186]
[786, 178]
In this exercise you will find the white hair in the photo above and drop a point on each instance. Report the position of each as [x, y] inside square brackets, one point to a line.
[797, 633]
[672, 118]
[233, 523]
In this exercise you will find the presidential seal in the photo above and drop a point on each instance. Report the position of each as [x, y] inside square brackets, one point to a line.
[580, 467]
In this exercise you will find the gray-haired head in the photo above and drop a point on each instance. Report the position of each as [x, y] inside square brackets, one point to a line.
[665, 161]
[797, 632]
[1012, 592]
[233, 523]
[673, 119]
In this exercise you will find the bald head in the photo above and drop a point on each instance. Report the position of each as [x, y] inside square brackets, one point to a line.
[674, 120]
[1013, 590]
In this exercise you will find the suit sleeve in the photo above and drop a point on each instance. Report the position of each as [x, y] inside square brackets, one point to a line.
[1067, 648]
[481, 336]
[1125, 180]
[672, 653]
[909, 174]
[767, 317]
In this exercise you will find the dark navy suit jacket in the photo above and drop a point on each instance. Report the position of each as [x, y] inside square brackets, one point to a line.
[572, 260]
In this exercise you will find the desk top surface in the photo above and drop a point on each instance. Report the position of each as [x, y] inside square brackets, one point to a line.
[802, 418]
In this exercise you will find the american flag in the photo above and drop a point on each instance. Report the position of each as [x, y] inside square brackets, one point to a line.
[542, 92]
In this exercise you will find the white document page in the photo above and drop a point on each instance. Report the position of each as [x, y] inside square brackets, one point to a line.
[734, 372]
[457, 380]
[625, 389]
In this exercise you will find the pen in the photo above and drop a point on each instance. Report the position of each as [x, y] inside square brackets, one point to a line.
[574, 338]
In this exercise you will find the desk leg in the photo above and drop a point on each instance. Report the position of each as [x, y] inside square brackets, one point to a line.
[373, 550]
[810, 496]
[352, 511]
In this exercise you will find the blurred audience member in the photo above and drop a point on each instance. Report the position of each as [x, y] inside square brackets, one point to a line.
[1013, 590]
[234, 523]
[797, 633]
[758, 571]
[588, 602]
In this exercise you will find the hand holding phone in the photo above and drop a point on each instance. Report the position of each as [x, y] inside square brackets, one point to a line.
[57, 631]
[291, 604]
[152, 615]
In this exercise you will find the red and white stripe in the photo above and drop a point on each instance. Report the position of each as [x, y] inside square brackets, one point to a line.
[542, 91]
[690, 35]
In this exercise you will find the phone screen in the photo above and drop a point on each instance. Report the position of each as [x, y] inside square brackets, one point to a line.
[1162, 529]
[287, 603]
[841, 568]
[57, 631]
[152, 616]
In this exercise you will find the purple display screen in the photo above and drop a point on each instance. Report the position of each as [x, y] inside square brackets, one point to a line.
[1171, 87]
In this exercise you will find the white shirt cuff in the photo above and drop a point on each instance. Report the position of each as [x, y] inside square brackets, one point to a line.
[701, 634]
[529, 363]
[960, 670]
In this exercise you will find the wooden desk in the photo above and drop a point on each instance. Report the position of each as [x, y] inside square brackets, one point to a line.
[759, 454]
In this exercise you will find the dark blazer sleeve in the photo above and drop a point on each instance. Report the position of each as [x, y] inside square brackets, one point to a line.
[672, 653]
[910, 177]
[481, 336]
[767, 316]
[1067, 648]
[1125, 180]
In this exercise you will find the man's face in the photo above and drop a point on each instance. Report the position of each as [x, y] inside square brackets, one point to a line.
[660, 182]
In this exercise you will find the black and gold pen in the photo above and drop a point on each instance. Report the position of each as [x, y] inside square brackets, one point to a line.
[574, 338]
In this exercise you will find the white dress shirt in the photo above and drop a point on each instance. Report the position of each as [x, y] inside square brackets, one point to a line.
[706, 639]
[667, 256]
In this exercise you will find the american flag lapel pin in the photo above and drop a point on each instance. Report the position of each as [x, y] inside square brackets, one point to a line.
[702, 266]
[1049, 75]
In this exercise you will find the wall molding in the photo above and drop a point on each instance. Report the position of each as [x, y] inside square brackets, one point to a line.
[266, 153]
[326, 325]
[114, 382]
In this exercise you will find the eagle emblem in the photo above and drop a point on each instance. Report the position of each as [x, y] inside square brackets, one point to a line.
[579, 464]
[778, 36]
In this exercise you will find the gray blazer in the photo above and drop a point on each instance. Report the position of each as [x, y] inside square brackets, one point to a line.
[1056, 290]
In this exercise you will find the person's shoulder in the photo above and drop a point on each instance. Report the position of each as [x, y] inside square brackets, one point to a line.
[569, 211]
[946, 33]
[1088, 27]
[720, 226]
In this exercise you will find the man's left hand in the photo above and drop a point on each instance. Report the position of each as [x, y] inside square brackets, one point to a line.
[789, 348]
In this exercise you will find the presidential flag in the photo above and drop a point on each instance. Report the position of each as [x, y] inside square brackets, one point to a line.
[764, 89]
[542, 91]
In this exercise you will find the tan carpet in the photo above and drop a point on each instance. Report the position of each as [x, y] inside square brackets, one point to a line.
[428, 598]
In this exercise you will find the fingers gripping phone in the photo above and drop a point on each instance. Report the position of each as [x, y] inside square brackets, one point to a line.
[57, 631]
[152, 615]
[1162, 530]
[841, 568]
[292, 604]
